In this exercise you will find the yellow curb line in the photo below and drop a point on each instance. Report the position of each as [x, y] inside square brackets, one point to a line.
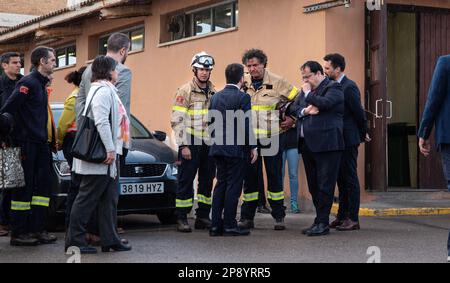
[423, 211]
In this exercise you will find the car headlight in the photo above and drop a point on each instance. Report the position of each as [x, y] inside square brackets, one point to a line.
[62, 167]
[173, 170]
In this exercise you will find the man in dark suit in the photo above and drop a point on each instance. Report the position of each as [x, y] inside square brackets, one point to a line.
[231, 136]
[437, 113]
[320, 110]
[355, 132]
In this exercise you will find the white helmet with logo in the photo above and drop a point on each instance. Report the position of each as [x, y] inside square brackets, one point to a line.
[203, 60]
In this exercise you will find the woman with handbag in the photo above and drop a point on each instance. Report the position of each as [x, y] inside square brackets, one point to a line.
[98, 165]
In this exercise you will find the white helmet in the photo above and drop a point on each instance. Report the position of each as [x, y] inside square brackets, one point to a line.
[203, 60]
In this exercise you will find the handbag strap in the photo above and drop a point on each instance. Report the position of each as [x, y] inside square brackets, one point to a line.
[89, 106]
[90, 102]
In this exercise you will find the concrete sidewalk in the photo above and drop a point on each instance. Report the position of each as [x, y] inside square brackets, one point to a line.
[405, 202]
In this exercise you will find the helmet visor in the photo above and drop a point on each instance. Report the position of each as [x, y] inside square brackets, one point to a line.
[206, 61]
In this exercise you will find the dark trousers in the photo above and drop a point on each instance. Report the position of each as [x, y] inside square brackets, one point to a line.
[230, 176]
[445, 154]
[255, 169]
[75, 180]
[5, 207]
[262, 200]
[205, 165]
[95, 191]
[448, 244]
[348, 184]
[29, 205]
[252, 183]
[321, 173]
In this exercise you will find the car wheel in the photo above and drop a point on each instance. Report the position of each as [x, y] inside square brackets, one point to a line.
[167, 217]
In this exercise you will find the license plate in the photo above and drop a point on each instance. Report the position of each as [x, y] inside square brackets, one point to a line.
[142, 188]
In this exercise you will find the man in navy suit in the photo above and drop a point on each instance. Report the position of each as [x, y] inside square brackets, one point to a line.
[320, 111]
[231, 136]
[355, 132]
[437, 113]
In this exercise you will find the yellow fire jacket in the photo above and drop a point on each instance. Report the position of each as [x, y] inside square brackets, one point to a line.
[265, 115]
[190, 112]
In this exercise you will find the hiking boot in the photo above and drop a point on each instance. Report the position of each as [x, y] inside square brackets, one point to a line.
[23, 240]
[44, 237]
[4, 231]
[279, 224]
[202, 223]
[246, 224]
[183, 225]
[263, 209]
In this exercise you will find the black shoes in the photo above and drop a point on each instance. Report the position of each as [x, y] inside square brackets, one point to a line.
[279, 224]
[4, 231]
[348, 225]
[117, 248]
[33, 239]
[246, 224]
[263, 209]
[307, 230]
[202, 223]
[84, 250]
[218, 231]
[183, 225]
[44, 237]
[337, 222]
[215, 232]
[23, 240]
[319, 230]
[236, 232]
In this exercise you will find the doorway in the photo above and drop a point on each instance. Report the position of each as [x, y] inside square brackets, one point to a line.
[403, 45]
[402, 96]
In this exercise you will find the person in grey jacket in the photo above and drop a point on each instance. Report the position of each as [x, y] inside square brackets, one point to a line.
[98, 181]
[117, 48]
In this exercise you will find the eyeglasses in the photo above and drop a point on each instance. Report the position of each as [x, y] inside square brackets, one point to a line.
[307, 76]
[205, 60]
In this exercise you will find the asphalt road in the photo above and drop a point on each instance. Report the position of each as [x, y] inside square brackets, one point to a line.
[394, 239]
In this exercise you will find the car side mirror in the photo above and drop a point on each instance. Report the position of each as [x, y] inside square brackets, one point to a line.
[160, 135]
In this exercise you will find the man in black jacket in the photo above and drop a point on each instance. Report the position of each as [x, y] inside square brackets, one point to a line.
[320, 111]
[231, 137]
[10, 63]
[10, 76]
[355, 132]
[29, 105]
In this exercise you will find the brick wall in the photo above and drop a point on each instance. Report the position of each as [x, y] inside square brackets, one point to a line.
[40, 7]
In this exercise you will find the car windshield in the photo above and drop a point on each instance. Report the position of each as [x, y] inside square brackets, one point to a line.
[138, 131]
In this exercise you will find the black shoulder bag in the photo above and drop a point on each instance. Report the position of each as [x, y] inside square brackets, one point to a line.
[88, 145]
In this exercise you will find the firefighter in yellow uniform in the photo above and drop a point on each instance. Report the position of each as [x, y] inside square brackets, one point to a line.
[267, 91]
[190, 124]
